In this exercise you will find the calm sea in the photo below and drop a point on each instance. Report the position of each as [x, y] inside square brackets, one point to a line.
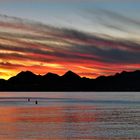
[70, 115]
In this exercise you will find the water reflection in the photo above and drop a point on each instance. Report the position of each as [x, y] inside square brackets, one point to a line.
[40, 122]
[46, 114]
[70, 121]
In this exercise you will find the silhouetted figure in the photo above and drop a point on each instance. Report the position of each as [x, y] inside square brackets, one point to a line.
[36, 102]
[28, 99]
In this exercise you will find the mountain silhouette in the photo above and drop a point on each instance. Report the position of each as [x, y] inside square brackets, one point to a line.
[70, 76]
[51, 76]
[70, 81]
[24, 77]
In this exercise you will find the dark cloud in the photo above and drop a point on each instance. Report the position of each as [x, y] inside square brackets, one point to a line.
[117, 56]
[113, 20]
[67, 46]
[119, 17]
[127, 53]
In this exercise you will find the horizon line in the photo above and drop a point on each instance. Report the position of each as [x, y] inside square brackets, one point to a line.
[70, 71]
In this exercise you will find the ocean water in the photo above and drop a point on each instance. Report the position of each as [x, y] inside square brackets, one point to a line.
[70, 115]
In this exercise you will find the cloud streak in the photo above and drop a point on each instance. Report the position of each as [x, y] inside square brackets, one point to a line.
[29, 45]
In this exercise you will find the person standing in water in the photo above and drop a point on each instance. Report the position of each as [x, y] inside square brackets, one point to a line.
[36, 102]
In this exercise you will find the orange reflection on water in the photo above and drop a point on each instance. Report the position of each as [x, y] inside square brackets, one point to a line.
[43, 122]
[46, 114]
[50, 122]
[8, 114]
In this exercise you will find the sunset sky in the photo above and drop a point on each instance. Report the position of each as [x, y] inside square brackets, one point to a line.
[89, 37]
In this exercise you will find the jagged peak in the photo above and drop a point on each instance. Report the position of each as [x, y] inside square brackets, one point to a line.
[23, 73]
[71, 74]
[26, 72]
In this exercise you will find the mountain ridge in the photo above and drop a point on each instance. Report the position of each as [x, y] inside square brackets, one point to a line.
[70, 81]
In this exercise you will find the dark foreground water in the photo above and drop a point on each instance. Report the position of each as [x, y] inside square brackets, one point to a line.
[96, 116]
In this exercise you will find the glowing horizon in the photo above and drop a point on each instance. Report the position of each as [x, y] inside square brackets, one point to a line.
[90, 38]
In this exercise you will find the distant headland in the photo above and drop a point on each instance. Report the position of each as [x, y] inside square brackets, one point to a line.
[70, 81]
